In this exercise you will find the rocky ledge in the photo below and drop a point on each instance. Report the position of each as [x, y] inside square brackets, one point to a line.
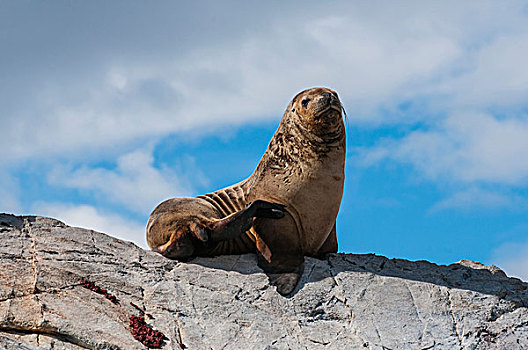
[63, 287]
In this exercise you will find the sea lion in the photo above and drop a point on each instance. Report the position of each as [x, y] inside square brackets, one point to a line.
[292, 198]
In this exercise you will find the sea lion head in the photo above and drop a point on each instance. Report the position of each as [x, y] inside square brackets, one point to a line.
[317, 109]
[177, 225]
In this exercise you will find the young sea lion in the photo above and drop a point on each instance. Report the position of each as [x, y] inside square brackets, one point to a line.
[297, 186]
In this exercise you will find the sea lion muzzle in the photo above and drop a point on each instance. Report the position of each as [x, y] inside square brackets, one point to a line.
[324, 103]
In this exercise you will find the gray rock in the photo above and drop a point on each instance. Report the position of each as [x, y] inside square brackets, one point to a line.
[344, 302]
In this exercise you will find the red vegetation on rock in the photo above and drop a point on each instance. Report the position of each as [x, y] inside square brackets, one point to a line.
[144, 333]
[95, 288]
[141, 331]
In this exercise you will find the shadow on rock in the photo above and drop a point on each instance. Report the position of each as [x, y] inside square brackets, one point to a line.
[465, 274]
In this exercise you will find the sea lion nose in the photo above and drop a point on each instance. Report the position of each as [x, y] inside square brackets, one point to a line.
[326, 98]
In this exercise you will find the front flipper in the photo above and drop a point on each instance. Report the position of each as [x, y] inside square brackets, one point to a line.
[236, 224]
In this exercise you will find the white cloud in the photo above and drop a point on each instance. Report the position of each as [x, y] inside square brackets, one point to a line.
[135, 184]
[478, 198]
[512, 257]
[375, 56]
[465, 147]
[495, 77]
[91, 218]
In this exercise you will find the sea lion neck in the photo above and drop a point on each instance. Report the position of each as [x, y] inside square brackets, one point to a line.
[321, 135]
[294, 144]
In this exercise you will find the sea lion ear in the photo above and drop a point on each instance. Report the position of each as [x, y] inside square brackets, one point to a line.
[199, 232]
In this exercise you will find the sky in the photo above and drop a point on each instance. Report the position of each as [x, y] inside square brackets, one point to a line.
[109, 108]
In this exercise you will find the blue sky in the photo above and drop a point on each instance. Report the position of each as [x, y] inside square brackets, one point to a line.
[108, 108]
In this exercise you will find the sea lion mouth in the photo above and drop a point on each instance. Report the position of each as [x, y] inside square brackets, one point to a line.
[318, 114]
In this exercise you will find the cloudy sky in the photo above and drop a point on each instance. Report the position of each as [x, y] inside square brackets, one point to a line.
[108, 108]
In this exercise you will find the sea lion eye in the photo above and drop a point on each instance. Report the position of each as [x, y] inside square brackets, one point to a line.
[305, 102]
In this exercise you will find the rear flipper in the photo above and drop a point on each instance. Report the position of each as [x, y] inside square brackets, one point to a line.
[283, 273]
[286, 265]
[236, 224]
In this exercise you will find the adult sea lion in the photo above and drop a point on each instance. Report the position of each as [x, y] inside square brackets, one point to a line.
[286, 209]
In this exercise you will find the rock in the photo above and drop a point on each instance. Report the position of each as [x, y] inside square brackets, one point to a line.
[344, 302]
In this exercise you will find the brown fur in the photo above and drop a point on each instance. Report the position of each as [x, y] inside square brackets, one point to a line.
[302, 169]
